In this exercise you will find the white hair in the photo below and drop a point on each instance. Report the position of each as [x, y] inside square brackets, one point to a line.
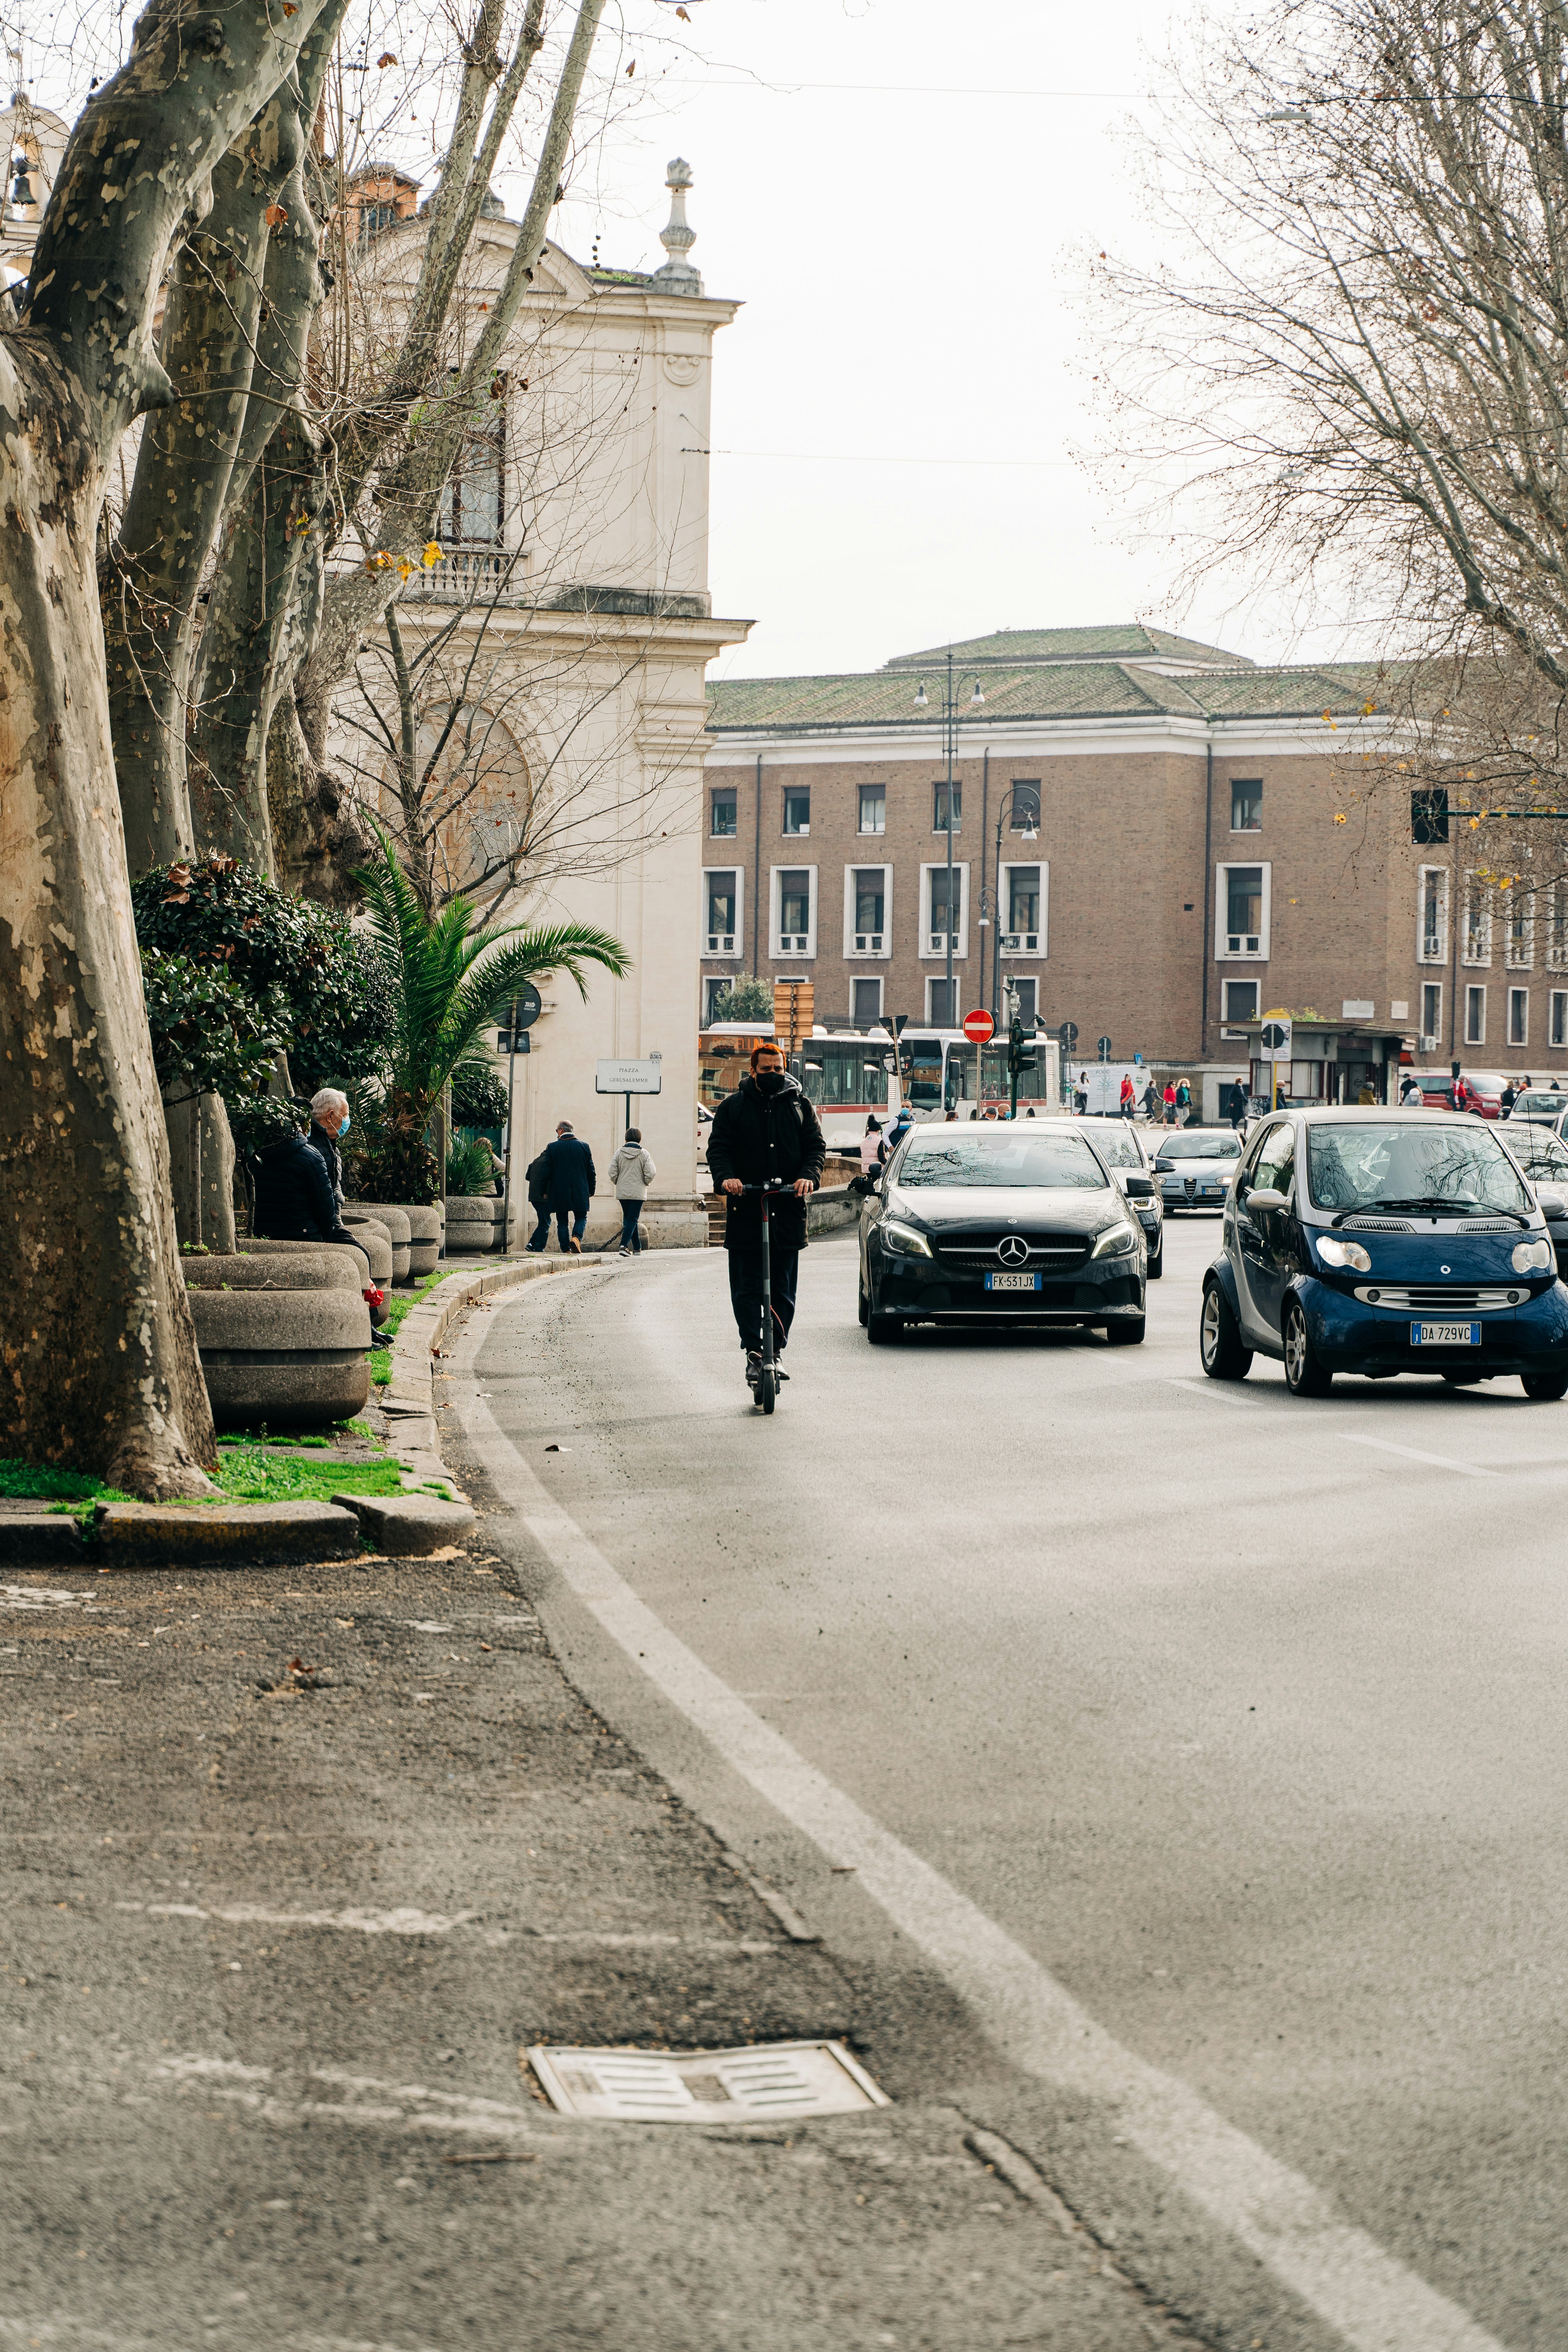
[329, 1098]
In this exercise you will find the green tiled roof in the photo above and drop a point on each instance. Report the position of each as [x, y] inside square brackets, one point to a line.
[1046, 690]
[1121, 640]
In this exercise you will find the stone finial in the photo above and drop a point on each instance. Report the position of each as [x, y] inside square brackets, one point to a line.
[678, 276]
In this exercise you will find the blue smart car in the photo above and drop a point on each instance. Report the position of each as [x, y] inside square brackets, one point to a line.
[1382, 1241]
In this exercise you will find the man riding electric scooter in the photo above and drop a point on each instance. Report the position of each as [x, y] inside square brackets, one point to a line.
[764, 1134]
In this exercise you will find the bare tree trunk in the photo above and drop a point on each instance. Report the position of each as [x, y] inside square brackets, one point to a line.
[98, 1353]
[201, 1173]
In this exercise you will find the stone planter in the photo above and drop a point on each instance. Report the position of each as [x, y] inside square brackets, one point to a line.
[282, 1333]
[475, 1223]
[370, 1250]
[424, 1231]
[372, 1236]
[396, 1220]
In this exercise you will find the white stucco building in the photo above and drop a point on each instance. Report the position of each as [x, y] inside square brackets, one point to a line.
[573, 598]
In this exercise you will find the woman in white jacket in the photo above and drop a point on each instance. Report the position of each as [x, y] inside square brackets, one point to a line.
[631, 1173]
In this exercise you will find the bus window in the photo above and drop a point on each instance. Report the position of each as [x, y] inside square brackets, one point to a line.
[846, 1072]
[997, 1084]
[959, 1075]
[922, 1057]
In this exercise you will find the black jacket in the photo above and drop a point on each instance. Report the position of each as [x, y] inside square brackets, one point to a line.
[568, 1175]
[755, 1136]
[325, 1148]
[538, 1180]
[294, 1196]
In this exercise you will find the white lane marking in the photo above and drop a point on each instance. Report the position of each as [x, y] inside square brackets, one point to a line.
[404, 1921]
[1414, 1454]
[1377, 2304]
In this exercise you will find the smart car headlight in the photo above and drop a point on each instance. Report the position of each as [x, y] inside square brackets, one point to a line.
[1114, 1240]
[1532, 1257]
[1338, 1253]
[905, 1238]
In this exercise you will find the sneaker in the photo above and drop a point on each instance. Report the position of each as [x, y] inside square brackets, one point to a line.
[753, 1367]
[623, 1252]
[576, 1247]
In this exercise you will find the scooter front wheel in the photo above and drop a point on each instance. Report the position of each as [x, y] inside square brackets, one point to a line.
[767, 1388]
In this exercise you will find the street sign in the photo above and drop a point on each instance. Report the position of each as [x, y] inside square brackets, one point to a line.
[977, 1027]
[1066, 1035]
[1103, 1049]
[1275, 1041]
[527, 1006]
[513, 1042]
[629, 1078]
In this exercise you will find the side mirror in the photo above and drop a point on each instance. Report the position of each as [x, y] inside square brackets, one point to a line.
[1267, 1198]
[1139, 1188]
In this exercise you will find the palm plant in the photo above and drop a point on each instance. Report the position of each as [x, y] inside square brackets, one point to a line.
[454, 973]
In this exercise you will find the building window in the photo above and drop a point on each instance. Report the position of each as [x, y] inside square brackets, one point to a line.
[1022, 895]
[714, 986]
[1518, 1016]
[1027, 993]
[794, 910]
[1241, 905]
[1238, 1002]
[1475, 1016]
[934, 924]
[1025, 804]
[797, 808]
[1475, 922]
[473, 504]
[1519, 933]
[722, 820]
[374, 218]
[941, 1004]
[1432, 915]
[866, 1002]
[722, 889]
[873, 808]
[1557, 928]
[1559, 1016]
[1431, 1013]
[1247, 804]
[867, 891]
[939, 808]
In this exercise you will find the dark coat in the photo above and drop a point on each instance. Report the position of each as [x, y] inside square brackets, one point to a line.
[755, 1136]
[294, 1196]
[568, 1176]
[325, 1148]
[538, 1180]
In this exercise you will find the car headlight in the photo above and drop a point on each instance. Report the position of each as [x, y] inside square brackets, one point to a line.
[1114, 1240]
[1532, 1257]
[1336, 1252]
[905, 1238]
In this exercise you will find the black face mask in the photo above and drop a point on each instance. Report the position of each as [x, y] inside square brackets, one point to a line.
[770, 1082]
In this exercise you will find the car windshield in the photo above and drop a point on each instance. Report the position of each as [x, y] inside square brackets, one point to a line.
[1117, 1149]
[1202, 1147]
[1025, 1163]
[1544, 1158]
[1442, 1169]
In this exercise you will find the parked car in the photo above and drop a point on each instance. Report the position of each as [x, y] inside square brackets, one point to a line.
[1544, 1159]
[1124, 1149]
[1486, 1084]
[1194, 1166]
[1373, 1242]
[983, 1224]
[1540, 1106]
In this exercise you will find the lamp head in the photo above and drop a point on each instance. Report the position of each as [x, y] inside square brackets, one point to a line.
[920, 694]
[976, 695]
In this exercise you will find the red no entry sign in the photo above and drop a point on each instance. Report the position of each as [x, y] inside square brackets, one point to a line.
[977, 1027]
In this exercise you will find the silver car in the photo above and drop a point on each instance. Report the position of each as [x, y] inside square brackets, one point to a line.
[1193, 1167]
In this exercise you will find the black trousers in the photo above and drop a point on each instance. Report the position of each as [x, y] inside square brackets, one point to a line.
[746, 1291]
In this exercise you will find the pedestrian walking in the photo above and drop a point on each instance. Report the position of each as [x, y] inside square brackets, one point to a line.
[1183, 1101]
[1128, 1101]
[1151, 1099]
[567, 1176]
[766, 1130]
[1410, 1095]
[1509, 1096]
[631, 1172]
[1237, 1105]
[1170, 1103]
[894, 1136]
[1080, 1096]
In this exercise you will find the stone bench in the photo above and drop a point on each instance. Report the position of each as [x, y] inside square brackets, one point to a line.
[282, 1333]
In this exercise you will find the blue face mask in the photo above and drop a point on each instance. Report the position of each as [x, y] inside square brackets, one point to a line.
[345, 1124]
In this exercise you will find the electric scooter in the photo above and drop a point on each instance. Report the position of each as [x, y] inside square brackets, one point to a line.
[767, 1387]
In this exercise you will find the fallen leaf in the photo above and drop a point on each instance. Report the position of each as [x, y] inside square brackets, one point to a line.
[275, 215]
[385, 59]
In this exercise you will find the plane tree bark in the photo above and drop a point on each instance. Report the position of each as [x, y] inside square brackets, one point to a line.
[97, 1348]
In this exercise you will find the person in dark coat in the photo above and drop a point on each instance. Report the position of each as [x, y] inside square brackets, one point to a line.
[294, 1199]
[569, 1186]
[536, 1179]
[328, 1120]
[765, 1129]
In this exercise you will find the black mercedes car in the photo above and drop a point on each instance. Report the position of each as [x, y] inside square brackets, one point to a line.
[1011, 1223]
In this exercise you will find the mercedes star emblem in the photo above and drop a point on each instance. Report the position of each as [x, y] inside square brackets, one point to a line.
[1013, 1250]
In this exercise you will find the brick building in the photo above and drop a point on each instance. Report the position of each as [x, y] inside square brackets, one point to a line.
[1144, 844]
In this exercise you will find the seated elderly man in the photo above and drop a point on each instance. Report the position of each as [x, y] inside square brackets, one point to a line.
[295, 1201]
[329, 1120]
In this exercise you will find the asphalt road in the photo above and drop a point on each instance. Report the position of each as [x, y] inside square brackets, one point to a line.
[1239, 1720]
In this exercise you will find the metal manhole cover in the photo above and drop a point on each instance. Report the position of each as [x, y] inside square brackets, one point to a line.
[697, 2086]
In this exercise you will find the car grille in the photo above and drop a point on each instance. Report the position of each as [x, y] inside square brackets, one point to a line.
[1376, 1225]
[1049, 1253]
[1446, 1298]
[1490, 1225]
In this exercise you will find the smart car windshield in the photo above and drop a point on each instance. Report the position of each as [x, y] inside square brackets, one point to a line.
[1201, 1147]
[1438, 1170]
[1023, 1164]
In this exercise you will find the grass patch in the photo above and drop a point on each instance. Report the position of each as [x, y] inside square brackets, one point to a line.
[29, 1478]
[252, 1474]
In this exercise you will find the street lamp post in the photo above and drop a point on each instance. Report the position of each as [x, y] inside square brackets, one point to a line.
[950, 722]
[1029, 831]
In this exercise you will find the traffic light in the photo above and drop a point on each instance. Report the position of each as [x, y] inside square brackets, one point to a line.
[1430, 816]
[1019, 1057]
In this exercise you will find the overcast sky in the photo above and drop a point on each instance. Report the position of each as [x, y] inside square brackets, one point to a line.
[895, 190]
